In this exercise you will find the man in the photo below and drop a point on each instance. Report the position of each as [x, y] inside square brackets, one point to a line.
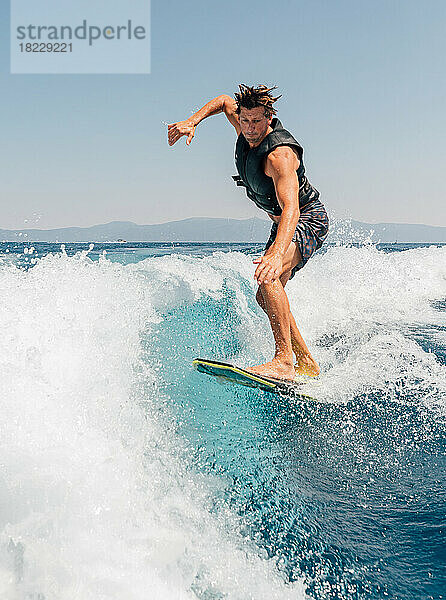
[270, 167]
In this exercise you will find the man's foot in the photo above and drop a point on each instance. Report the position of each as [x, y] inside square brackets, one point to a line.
[276, 369]
[306, 365]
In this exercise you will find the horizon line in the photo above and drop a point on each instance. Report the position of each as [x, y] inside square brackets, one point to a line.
[347, 219]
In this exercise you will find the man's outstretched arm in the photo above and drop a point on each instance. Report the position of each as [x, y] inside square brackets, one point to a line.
[223, 103]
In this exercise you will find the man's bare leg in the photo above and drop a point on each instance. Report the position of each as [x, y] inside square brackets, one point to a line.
[278, 311]
[306, 365]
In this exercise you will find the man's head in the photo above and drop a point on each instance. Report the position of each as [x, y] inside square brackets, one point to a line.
[255, 110]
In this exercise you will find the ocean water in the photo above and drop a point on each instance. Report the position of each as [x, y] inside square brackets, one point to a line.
[125, 474]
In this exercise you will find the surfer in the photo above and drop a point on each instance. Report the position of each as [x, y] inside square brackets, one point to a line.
[270, 166]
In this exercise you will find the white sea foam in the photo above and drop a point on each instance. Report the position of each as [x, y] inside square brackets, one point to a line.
[362, 310]
[96, 500]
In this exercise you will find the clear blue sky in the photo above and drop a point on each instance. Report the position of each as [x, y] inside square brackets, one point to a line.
[363, 87]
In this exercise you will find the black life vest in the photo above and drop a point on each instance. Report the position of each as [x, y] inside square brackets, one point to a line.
[259, 187]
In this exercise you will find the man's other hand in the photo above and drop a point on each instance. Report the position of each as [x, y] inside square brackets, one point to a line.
[177, 130]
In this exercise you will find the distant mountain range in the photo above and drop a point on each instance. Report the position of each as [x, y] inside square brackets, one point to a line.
[203, 229]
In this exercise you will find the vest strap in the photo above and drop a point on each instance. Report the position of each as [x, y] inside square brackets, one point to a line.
[238, 180]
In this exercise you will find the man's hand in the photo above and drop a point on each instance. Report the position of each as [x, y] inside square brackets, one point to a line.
[177, 130]
[269, 267]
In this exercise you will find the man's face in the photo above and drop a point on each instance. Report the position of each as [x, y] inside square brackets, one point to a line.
[254, 124]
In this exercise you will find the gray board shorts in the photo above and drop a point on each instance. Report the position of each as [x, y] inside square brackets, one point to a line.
[310, 233]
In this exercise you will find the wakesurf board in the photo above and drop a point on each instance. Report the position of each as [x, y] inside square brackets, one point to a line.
[238, 375]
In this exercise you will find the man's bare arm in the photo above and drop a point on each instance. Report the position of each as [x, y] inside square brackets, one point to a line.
[281, 165]
[223, 103]
[230, 110]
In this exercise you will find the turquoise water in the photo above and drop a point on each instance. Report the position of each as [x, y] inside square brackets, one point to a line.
[126, 472]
